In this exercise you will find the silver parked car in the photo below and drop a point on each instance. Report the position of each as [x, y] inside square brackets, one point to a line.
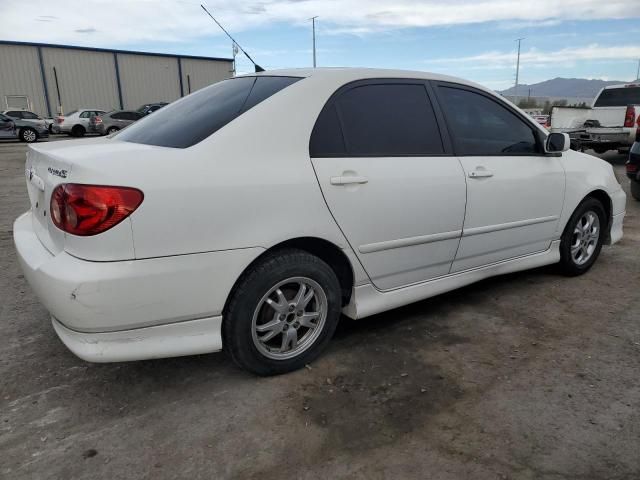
[113, 121]
[20, 129]
[76, 123]
[29, 118]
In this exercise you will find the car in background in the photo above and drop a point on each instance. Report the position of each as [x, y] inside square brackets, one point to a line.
[148, 108]
[633, 167]
[76, 123]
[29, 117]
[610, 123]
[113, 121]
[21, 129]
[542, 120]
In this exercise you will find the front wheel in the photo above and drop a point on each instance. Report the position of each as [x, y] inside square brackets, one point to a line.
[28, 135]
[583, 237]
[282, 313]
[635, 189]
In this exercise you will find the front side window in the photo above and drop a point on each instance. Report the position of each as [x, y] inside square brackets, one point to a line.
[119, 116]
[195, 117]
[381, 119]
[481, 126]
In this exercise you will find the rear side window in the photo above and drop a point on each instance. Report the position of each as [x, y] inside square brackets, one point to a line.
[29, 115]
[481, 126]
[190, 120]
[119, 115]
[618, 97]
[382, 120]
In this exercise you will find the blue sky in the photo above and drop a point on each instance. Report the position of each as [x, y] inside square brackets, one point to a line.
[474, 39]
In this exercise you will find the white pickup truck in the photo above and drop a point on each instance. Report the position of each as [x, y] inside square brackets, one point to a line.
[610, 124]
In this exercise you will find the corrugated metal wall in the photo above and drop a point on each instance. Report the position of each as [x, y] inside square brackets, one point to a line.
[200, 73]
[147, 79]
[20, 75]
[86, 79]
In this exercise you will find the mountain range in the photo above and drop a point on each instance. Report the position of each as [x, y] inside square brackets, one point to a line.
[563, 87]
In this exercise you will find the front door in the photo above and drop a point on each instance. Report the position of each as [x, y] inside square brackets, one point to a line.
[7, 127]
[514, 191]
[391, 184]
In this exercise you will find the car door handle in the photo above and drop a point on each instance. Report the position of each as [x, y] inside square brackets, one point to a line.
[480, 172]
[348, 180]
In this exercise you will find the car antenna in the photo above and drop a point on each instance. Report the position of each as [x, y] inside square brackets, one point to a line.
[257, 67]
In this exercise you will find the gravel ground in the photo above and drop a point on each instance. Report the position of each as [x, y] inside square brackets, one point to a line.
[525, 376]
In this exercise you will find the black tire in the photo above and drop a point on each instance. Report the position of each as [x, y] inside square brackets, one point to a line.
[635, 189]
[111, 130]
[600, 150]
[28, 135]
[247, 300]
[50, 128]
[78, 131]
[568, 264]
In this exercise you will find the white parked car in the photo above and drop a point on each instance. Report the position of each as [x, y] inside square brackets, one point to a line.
[76, 123]
[250, 214]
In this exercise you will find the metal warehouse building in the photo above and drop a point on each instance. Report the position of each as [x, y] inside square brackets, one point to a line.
[53, 79]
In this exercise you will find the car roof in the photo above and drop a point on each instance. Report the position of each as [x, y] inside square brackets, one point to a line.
[349, 74]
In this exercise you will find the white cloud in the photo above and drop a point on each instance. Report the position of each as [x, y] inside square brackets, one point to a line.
[98, 22]
[537, 58]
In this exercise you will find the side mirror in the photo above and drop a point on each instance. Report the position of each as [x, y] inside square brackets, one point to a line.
[557, 142]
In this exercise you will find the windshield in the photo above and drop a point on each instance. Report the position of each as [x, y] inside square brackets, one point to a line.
[191, 119]
[618, 97]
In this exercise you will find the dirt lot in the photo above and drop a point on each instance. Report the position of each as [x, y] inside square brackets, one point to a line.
[526, 376]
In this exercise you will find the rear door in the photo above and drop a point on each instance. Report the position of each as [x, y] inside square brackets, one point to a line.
[390, 180]
[515, 192]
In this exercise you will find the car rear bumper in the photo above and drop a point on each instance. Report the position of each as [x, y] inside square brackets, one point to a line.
[173, 340]
[138, 303]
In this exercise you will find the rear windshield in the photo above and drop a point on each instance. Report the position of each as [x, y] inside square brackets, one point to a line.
[618, 97]
[190, 120]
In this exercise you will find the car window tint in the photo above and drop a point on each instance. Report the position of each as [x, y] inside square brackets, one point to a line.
[618, 97]
[481, 126]
[29, 115]
[85, 114]
[15, 114]
[388, 120]
[327, 139]
[193, 118]
[119, 115]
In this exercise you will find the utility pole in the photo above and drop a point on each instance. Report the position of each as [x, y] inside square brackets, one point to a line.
[638, 71]
[517, 69]
[313, 26]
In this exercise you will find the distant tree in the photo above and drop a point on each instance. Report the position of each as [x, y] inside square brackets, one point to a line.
[528, 103]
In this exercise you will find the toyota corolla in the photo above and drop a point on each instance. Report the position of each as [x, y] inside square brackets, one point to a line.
[248, 216]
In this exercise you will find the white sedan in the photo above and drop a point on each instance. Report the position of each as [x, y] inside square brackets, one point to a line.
[249, 215]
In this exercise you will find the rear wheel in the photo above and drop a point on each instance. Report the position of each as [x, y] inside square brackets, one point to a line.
[78, 131]
[635, 189]
[28, 135]
[582, 238]
[282, 313]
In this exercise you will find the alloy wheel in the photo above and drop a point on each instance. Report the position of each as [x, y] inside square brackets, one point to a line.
[289, 318]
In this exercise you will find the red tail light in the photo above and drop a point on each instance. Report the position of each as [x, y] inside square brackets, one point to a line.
[91, 209]
[629, 116]
[632, 168]
[96, 120]
[59, 119]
